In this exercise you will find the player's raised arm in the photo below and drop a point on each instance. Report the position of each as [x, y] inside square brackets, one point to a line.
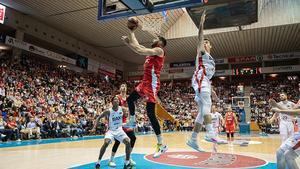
[274, 104]
[132, 42]
[287, 111]
[200, 46]
[140, 49]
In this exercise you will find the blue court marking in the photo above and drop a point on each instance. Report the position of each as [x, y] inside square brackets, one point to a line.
[46, 141]
[55, 140]
[141, 163]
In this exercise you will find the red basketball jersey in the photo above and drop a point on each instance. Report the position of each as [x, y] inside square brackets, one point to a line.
[229, 119]
[152, 69]
[123, 103]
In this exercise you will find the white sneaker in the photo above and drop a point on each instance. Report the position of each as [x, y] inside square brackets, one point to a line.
[130, 124]
[211, 137]
[112, 164]
[133, 163]
[194, 145]
[3, 135]
[19, 140]
[160, 149]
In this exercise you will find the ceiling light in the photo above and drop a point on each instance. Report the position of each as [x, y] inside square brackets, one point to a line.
[273, 75]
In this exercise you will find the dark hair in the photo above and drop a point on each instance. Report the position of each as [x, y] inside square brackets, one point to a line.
[163, 40]
[283, 92]
[112, 99]
[206, 39]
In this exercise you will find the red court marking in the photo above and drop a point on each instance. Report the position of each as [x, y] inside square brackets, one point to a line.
[207, 160]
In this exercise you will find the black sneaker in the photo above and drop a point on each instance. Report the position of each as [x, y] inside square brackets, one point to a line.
[97, 166]
[128, 166]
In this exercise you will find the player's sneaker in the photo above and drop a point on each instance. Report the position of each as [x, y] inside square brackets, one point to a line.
[210, 137]
[97, 166]
[112, 164]
[160, 149]
[133, 163]
[194, 145]
[130, 124]
[128, 166]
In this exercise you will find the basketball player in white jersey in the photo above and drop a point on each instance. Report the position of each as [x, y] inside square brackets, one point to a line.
[289, 150]
[216, 119]
[205, 69]
[286, 126]
[115, 131]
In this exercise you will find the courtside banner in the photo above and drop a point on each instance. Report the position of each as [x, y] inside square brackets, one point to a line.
[277, 69]
[38, 50]
[243, 59]
[281, 56]
[221, 61]
[107, 70]
[2, 13]
[182, 64]
[223, 72]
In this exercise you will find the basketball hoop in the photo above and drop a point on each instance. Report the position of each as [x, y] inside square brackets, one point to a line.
[152, 23]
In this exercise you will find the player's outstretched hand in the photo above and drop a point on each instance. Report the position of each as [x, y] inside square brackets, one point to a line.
[125, 39]
[273, 103]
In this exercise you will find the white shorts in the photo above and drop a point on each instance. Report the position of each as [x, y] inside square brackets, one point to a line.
[292, 143]
[200, 84]
[118, 134]
[286, 129]
[204, 103]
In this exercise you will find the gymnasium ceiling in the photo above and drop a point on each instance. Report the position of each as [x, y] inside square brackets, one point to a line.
[78, 18]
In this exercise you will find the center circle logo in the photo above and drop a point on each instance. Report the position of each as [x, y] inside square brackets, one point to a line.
[182, 156]
[207, 160]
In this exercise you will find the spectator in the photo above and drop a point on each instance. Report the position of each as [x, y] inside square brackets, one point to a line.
[13, 129]
[32, 128]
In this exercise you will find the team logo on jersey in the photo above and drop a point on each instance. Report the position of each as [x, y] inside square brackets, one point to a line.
[284, 117]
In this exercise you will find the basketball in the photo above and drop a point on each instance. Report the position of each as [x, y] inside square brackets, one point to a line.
[132, 23]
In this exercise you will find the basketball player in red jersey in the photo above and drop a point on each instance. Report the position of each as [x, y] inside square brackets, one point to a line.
[130, 132]
[150, 83]
[230, 123]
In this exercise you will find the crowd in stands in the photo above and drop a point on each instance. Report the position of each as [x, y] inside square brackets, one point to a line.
[39, 100]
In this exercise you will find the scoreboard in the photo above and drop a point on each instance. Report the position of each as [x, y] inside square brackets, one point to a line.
[246, 71]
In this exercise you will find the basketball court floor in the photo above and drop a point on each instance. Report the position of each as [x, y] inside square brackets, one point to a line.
[83, 152]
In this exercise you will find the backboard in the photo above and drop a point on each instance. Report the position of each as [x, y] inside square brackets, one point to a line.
[225, 13]
[114, 9]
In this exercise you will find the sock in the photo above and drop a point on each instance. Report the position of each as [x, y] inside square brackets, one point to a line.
[194, 136]
[112, 158]
[127, 162]
[159, 139]
[132, 118]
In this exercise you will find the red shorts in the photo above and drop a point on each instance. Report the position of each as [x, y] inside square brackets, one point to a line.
[230, 129]
[126, 130]
[147, 91]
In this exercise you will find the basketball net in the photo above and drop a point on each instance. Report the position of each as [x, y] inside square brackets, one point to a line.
[152, 23]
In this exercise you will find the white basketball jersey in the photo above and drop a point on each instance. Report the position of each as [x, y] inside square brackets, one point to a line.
[286, 105]
[215, 119]
[115, 119]
[205, 63]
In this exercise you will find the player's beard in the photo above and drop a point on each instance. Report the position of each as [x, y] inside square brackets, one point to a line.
[155, 44]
